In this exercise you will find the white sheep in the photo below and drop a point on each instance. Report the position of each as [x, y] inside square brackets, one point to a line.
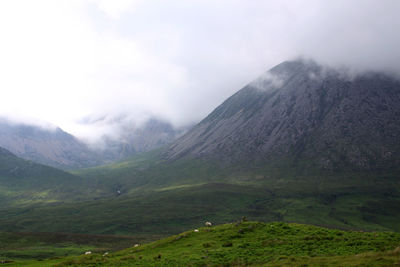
[136, 245]
[88, 252]
[208, 224]
[196, 230]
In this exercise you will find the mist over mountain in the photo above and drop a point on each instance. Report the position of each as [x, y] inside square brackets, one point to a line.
[52, 147]
[302, 143]
[171, 60]
[302, 112]
[57, 148]
[131, 138]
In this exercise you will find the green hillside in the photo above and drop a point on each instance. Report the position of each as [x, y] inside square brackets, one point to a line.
[39, 246]
[255, 244]
[24, 182]
[333, 201]
[184, 190]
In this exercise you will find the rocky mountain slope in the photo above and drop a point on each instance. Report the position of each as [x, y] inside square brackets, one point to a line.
[57, 148]
[302, 112]
[52, 147]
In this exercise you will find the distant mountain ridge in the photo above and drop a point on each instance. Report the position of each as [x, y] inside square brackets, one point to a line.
[303, 112]
[52, 147]
[57, 148]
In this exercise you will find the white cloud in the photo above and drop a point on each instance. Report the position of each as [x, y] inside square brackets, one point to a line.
[114, 8]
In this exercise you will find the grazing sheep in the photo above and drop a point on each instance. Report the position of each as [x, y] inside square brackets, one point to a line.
[196, 230]
[105, 254]
[88, 252]
[208, 224]
[136, 245]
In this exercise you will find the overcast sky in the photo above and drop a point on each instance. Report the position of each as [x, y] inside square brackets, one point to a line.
[63, 61]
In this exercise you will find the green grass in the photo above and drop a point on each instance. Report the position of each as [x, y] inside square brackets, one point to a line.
[256, 244]
[31, 247]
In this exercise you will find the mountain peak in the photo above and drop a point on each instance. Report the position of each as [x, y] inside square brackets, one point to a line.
[301, 111]
[296, 66]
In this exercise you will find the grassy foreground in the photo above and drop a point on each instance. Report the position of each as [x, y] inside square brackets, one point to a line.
[253, 244]
[33, 248]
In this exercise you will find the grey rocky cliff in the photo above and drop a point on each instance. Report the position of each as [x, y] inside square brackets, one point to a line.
[302, 111]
